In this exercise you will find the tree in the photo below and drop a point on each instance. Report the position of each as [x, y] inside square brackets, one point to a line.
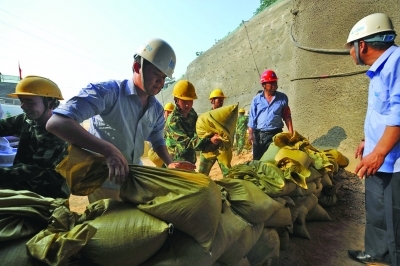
[263, 5]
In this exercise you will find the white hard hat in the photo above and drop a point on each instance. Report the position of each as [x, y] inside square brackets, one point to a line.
[160, 54]
[372, 25]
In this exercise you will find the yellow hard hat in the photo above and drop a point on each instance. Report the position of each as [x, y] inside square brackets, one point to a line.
[217, 93]
[184, 90]
[241, 110]
[169, 107]
[160, 54]
[37, 86]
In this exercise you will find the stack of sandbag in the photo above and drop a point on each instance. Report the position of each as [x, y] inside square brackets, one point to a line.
[22, 215]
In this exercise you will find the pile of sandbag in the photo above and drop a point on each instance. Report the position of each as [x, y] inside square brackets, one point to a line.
[167, 217]
[298, 175]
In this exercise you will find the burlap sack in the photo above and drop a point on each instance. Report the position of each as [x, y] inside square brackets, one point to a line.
[84, 170]
[190, 201]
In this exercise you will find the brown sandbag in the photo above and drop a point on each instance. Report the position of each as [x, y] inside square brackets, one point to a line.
[182, 250]
[25, 213]
[125, 235]
[13, 252]
[248, 200]
[84, 171]
[310, 203]
[190, 201]
[267, 247]
[280, 218]
[246, 241]
[318, 214]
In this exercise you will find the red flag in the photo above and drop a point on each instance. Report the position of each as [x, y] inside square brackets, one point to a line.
[20, 71]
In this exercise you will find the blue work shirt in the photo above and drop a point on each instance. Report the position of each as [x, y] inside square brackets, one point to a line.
[384, 105]
[117, 116]
[267, 116]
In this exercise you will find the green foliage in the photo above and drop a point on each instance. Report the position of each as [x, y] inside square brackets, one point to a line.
[263, 5]
[199, 53]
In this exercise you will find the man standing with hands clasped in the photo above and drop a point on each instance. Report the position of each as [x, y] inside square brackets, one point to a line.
[371, 42]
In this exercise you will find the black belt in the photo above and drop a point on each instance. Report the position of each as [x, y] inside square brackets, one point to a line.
[268, 131]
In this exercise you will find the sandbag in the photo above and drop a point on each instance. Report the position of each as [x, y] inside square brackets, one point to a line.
[310, 203]
[341, 160]
[84, 171]
[154, 158]
[267, 247]
[318, 213]
[182, 250]
[13, 252]
[25, 213]
[221, 121]
[246, 241]
[190, 201]
[125, 235]
[270, 153]
[280, 218]
[295, 155]
[248, 200]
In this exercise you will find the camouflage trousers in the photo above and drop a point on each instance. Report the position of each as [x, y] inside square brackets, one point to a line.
[240, 142]
[207, 163]
[45, 182]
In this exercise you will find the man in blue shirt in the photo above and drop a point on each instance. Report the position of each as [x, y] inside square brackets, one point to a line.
[123, 115]
[371, 42]
[267, 110]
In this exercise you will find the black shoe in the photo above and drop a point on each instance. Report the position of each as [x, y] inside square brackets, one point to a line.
[360, 256]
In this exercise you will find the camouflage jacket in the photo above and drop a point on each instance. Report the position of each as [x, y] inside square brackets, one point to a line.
[36, 145]
[180, 136]
[241, 124]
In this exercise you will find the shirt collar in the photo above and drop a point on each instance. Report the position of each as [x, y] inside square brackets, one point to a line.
[131, 89]
[371, 71]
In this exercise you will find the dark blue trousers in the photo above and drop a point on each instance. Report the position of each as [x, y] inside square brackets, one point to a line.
[262, 140]
[382, 207]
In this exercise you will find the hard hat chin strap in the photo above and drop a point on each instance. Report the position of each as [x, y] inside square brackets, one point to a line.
[357, 51]
[142, 77]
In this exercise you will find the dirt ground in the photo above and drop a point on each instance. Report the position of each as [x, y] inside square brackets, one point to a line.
[329, 240]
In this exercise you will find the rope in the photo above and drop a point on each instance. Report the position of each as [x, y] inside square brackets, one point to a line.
[332, 76]
[317, 50]
[251, 49]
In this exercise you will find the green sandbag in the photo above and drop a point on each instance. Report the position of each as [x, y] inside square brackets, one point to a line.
[13, 252]
[248, 200]
[266, 176]
[190, 201]
[267, 247]
[24, 213]
[241, 247]
[270, 153]
[125, 235]
[182, 250]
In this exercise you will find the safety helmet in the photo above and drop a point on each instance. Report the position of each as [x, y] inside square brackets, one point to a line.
[268, 76]
[160, 54]
[169, 107]
[37, 86]
[372, 25]
[241, 110]
[217, 93]
[184, 90]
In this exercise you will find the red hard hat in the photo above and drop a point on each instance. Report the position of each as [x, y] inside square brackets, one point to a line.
[268, 76]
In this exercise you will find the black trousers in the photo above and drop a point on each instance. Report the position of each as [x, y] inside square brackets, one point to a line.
[382, 207]
[262, 140]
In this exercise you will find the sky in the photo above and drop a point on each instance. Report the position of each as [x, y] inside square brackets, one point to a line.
[77, 42]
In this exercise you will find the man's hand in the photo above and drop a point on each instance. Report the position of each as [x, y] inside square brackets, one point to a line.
[360, 150]
[117, 166]
[369, 165]
[183, 165]
[216, 139]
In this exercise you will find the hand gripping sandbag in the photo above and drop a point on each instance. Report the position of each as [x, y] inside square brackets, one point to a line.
[221, 121]
[84, 170]
[190, 201]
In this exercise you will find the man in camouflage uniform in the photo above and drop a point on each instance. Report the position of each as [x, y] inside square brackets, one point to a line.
[180, 128]
[241, 128]
[217, 98]
[39, 151]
